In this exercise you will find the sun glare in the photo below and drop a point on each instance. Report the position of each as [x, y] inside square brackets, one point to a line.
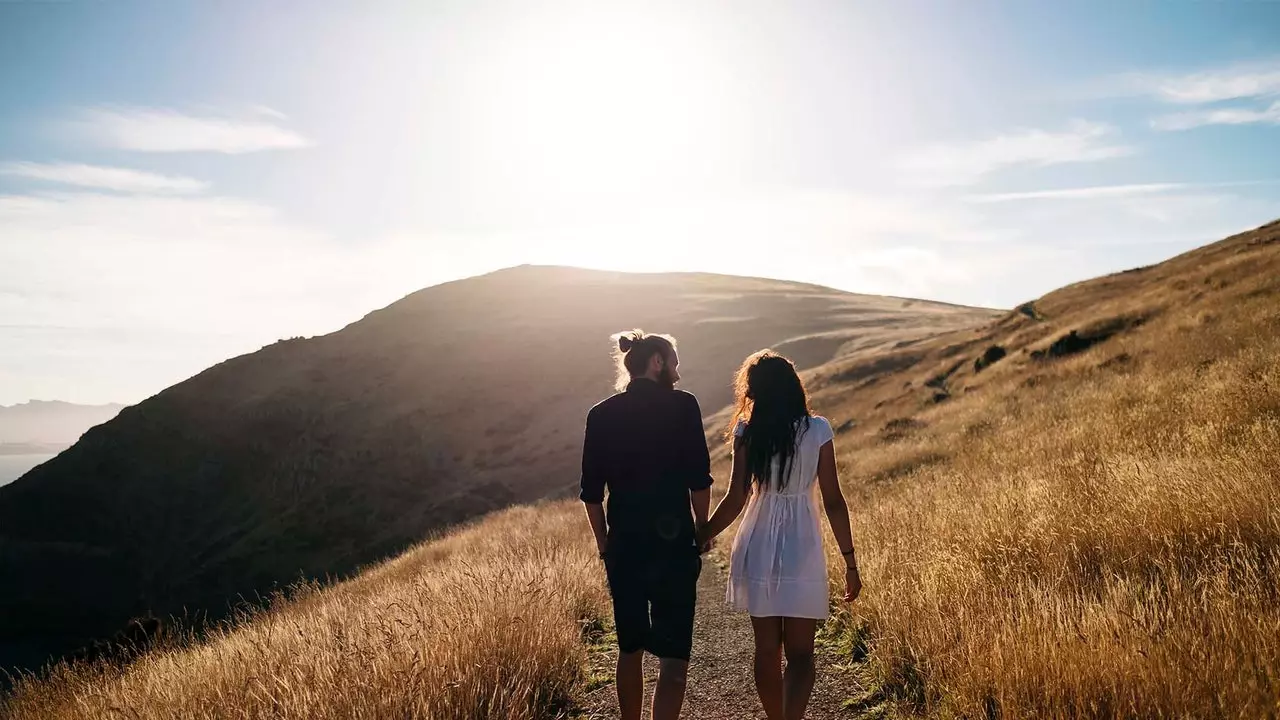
[603, 103]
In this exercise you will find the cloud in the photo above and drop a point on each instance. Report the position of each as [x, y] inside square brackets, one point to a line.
[104, 178]
[163, 130]
[268, 112]
[965, 163]
[1242, 81]
[1083, 193]
[109, 296]
[1218, 116]
[1213, 87]
[164, 263]
[1234, 82]
[116, 296]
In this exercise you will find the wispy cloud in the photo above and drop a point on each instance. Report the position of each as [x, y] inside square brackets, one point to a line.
[966, 163]
[1239, 82]
[1103, 192]
[1082, 193]
[164, 130]
[103, 178]
[1214, 87]
[1233, 82]
[1218, 116]
[125, 274]
[128, 275]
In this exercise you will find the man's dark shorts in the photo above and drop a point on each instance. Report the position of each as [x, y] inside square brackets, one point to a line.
[654, 591]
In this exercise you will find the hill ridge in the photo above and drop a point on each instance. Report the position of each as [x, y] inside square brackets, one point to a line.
[314, 456]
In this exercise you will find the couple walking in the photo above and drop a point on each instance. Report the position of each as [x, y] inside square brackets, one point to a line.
[646, 448]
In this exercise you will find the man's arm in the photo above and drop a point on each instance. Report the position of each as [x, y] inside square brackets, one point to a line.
[595, 516]
[701, 501]
[593, 482]
[698, 460]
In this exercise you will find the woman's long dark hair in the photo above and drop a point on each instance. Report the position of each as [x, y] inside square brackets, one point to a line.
[771, 400]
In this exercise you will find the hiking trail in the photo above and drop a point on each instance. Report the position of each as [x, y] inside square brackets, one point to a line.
[721, 686]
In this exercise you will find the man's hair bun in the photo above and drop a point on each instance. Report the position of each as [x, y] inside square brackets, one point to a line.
[628, 340]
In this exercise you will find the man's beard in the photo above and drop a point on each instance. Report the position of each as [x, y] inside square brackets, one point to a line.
[665, 379]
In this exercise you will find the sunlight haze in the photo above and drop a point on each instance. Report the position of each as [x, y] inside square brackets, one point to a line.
[183, 183]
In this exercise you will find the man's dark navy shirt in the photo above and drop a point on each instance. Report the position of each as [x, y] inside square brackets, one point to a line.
[646, 446]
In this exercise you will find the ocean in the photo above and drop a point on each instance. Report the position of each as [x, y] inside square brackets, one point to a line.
[13, 466]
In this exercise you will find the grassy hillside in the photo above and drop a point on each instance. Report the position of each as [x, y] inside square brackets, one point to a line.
[484, 623]
[1075, 530]
[1090, 526]
[315, 456]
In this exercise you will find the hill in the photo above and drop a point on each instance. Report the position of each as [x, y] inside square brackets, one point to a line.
[38, 425]
[315, 456]
[1084, 526]
[1075, 511]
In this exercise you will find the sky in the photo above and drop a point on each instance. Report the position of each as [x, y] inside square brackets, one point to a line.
[184, 182]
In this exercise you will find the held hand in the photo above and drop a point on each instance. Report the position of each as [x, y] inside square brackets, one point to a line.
[705, 541]
[852, 584]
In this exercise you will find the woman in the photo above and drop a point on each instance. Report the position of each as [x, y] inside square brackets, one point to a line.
[778, 569]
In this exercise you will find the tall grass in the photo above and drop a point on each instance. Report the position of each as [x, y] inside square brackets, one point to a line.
[1105, 544]
[485, 623]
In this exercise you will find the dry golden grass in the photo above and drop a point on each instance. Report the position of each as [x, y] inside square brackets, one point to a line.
[484, 623]
[1091, 536]
[1107, 547]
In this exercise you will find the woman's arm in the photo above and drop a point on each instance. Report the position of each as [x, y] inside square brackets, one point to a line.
[732, 503]
[838, 515]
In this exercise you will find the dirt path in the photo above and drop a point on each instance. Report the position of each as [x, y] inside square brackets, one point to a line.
[720, 678]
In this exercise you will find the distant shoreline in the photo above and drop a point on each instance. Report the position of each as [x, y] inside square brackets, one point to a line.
[32, 448]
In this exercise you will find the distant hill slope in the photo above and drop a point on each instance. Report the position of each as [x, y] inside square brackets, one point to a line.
[43, 424]
[875, 388]
[314, 456]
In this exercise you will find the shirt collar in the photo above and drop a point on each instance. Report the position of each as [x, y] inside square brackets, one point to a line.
[642, 384]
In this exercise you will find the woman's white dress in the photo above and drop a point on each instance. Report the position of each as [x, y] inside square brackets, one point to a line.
[777, 567]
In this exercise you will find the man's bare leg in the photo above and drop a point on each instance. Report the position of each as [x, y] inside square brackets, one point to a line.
[630, 684]
[668, 697]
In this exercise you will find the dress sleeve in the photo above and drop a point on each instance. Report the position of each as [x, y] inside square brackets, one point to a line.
[740, 429]
[822, 427]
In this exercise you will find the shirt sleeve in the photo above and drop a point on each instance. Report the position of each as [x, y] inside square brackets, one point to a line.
[698, 458]
[593, 481]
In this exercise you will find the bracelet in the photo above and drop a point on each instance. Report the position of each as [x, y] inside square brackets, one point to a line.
[847, 554]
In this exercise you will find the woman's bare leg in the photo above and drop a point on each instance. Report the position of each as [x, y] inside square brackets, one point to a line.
[768, 665]
[797, 684]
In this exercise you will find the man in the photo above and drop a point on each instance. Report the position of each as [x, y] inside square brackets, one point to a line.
[645, 446]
